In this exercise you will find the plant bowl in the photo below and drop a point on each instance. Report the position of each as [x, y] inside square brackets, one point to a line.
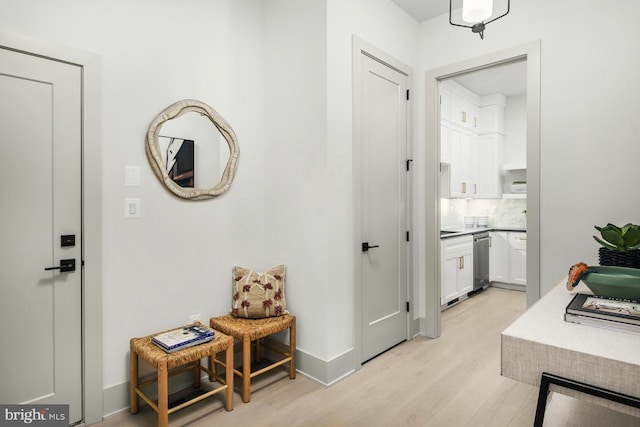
[617, 282]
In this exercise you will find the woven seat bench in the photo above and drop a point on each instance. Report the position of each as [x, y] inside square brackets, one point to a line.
[169, 364]
[248, 331]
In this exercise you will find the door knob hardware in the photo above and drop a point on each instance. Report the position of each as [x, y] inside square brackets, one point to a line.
[366, 246]
[66, 265]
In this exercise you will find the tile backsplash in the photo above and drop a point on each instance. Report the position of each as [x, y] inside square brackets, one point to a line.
[501, 212]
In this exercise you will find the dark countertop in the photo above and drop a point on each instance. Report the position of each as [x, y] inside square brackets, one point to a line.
[445, 233]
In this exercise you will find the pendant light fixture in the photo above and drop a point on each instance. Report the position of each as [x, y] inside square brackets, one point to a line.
[476, 14]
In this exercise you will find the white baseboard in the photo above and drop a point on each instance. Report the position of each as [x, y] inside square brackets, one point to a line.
[116, 398]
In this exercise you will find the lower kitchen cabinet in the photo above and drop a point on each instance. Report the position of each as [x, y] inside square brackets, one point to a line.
[518, 248]
[456, 267]
[499, 257]
[508, 257]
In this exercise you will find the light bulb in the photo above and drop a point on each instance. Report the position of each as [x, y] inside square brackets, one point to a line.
[474, 11]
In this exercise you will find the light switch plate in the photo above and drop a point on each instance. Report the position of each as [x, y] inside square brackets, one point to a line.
[132, 208]
[132, 176]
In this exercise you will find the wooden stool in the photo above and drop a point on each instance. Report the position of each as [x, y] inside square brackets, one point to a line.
[179, 361]
[249, 331]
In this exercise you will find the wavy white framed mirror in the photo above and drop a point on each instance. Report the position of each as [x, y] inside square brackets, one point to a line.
[191, 158]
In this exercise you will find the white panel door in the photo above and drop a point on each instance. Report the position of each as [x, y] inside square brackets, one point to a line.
[384, 211]
[40, 310]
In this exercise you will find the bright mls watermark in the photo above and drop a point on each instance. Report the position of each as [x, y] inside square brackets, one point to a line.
[34, 415]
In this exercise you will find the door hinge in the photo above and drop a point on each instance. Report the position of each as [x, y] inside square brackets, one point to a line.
[409, 163]
[407, 94]
[408, 236]
[407, 306]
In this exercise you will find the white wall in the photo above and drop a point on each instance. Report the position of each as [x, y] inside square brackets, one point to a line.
[589, 103]
[284, 85]
[295, 163]
[176, 259]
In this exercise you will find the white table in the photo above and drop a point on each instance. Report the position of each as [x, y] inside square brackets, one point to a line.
[541, 341]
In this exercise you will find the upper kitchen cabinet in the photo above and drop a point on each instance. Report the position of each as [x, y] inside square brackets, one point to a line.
[492, 113]
[462, 176]
[488, 167]
[445, 102]
[445, 142]
[490, 147]
[445, 124]
[464, 108]
[471, 143]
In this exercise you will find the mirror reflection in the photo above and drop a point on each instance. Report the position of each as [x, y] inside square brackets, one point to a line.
[192, 150]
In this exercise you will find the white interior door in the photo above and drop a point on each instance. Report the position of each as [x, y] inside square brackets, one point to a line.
[40, 310]
[384, 207]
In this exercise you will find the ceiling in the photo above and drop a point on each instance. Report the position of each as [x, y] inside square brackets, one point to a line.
[507, 79]
[421, 10]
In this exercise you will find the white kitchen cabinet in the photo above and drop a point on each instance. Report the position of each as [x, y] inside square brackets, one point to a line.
[475, 165]
[488, 155]
[508, 257]
[445, 142]
[499, 257]
[464, 112]
[459, 105]
[456, 278]
[462, 169]
[445, 102]
[518, 253]
[492, 113]
[473, 152]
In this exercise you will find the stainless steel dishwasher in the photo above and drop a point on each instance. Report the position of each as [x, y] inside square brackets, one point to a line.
[481, 244]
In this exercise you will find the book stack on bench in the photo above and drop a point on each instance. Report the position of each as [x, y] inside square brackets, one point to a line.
[184, 337]
[605, 312]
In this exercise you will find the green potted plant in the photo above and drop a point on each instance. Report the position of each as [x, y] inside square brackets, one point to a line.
[620, 245]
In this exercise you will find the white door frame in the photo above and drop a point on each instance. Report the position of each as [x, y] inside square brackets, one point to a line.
[430, 324]
[91, 210]
[360, 47]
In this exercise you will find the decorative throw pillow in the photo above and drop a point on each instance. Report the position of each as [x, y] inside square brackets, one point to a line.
[257, 295]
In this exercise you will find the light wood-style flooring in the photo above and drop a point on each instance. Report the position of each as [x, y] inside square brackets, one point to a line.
[450, 381]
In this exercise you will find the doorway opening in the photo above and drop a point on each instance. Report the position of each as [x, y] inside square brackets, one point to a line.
[483, 165]
[528, 57]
